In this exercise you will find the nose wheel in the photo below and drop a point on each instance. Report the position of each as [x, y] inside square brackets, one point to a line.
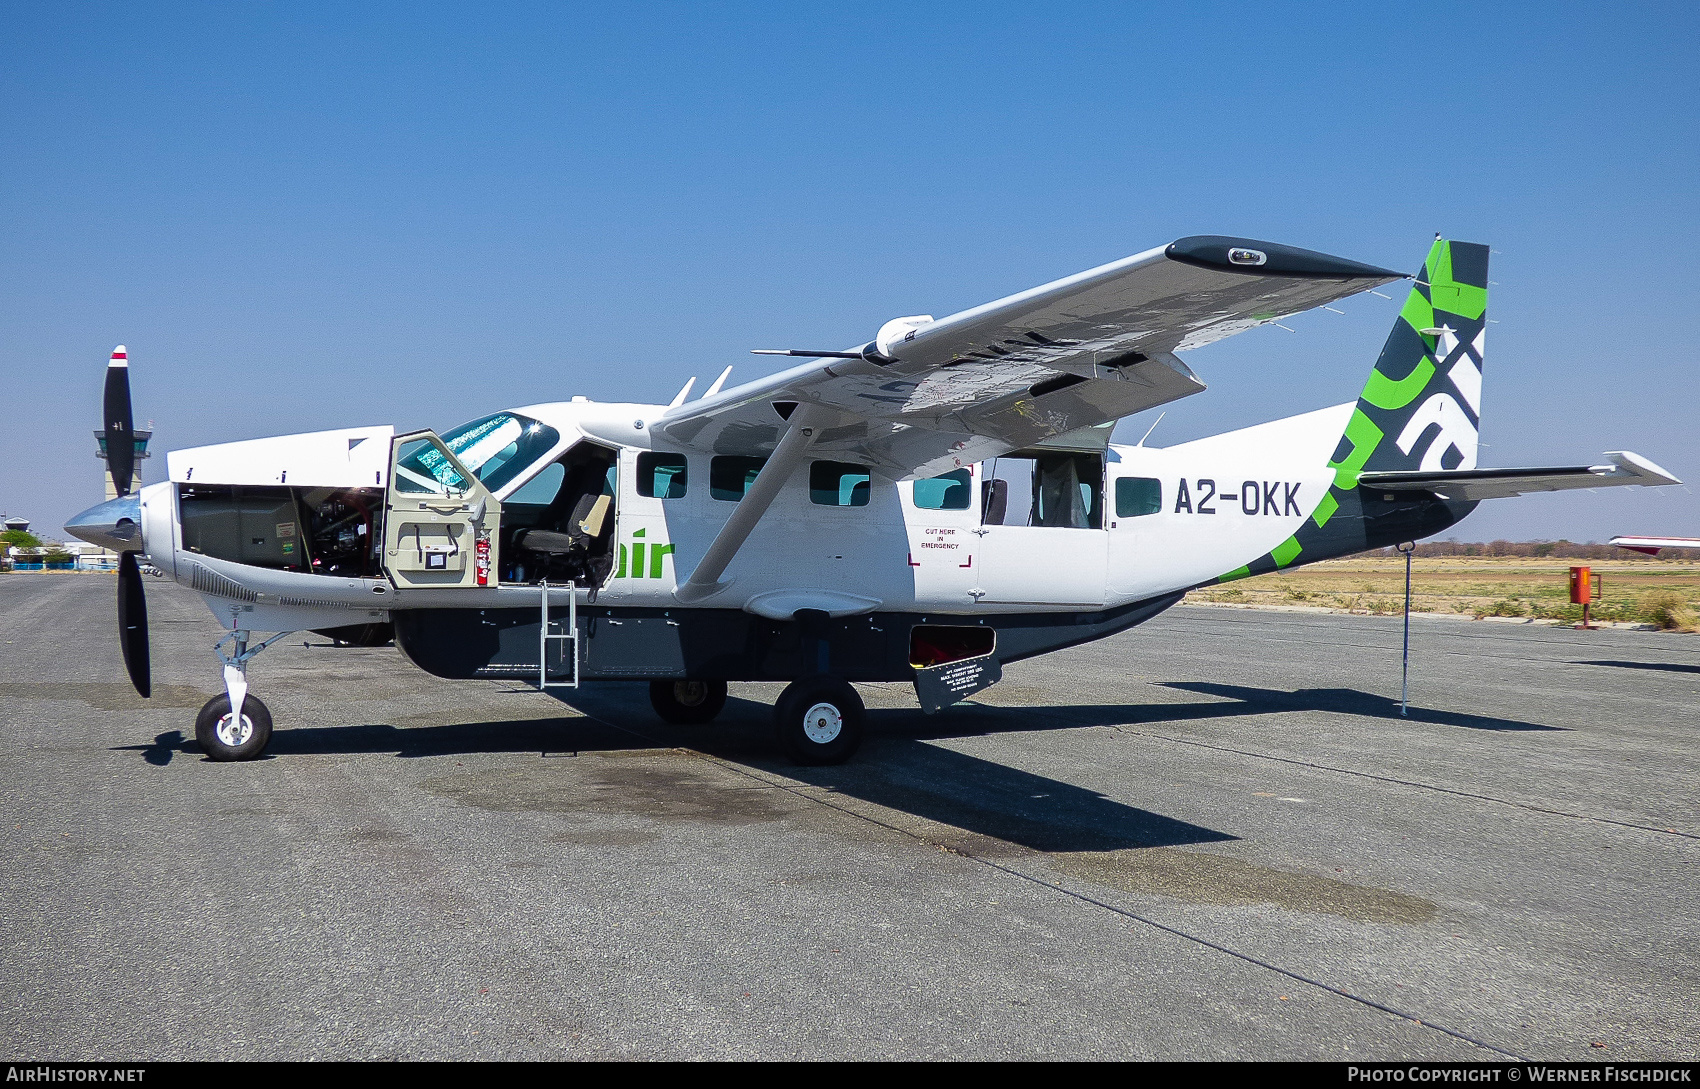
[819, 720]
[224, 736]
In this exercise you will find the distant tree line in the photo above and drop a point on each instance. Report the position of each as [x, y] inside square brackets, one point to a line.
[1558, 550]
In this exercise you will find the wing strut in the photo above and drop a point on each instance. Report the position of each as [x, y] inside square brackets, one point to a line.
[705, 580]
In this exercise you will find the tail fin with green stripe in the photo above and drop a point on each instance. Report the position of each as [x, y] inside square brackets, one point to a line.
[1421, 408]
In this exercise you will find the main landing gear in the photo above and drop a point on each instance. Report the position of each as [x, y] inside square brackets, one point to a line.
[687, 703]
[236, 725]
[818, 719]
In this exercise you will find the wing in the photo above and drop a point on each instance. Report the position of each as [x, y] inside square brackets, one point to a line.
[926, 396]
[1625, 468]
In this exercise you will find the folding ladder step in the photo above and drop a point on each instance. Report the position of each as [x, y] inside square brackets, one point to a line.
[545, 636]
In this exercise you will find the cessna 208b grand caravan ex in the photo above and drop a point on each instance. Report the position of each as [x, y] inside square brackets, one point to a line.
[925, 507]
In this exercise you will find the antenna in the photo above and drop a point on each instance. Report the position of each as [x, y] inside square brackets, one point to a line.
[684, 391]
[1152, 428]
[718, 382]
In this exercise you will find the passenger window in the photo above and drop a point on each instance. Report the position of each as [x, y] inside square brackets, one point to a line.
[1138, 495]
[947, 492]
[839, 484]
[661, 476]
[730, 476]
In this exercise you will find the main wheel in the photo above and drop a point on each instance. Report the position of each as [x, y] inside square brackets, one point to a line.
[819, 720]
[687, 703]
[223, 738]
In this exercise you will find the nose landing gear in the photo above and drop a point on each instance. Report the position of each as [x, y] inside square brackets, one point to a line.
[236, 725]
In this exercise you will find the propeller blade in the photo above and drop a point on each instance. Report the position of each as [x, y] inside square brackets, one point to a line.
[120, 440]
[133, 624]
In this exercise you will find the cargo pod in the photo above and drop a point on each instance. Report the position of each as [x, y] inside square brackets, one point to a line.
[439, 529]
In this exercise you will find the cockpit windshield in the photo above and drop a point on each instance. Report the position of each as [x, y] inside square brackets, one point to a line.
[500, 447]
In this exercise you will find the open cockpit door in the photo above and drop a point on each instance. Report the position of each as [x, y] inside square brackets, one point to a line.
[439, 529]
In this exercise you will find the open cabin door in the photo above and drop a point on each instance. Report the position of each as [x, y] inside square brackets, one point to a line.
[440, 522]
[1042, 539]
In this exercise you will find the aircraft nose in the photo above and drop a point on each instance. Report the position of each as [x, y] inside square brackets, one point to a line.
[114, 524]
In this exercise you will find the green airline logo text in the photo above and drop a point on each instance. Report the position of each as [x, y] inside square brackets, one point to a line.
[632, 560]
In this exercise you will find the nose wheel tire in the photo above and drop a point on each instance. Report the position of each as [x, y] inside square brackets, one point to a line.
[819, 720]
[687, 703]
[222, 737]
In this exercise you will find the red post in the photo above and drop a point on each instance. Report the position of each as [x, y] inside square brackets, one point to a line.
[1582, 593]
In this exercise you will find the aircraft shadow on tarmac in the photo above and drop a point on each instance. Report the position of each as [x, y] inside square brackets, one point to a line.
[895, 769]
[1347, 701]
[540, 735]
[1671, 667]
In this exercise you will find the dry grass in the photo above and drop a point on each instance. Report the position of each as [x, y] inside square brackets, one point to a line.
[1662, 592]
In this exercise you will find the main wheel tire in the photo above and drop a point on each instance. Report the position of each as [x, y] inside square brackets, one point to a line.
[687, 703]
[819, 720]
[222, 739]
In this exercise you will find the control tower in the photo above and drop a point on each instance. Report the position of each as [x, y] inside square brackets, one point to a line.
[141, 439]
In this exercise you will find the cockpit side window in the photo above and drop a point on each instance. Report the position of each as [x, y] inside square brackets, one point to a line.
[540, 490]
[500, 447]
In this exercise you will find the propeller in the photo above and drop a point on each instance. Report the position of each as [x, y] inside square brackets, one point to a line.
[121, 463]
[133, 624]
[120, 430]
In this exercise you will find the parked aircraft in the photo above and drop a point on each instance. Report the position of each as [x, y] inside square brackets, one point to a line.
[1652, 546]
[926, 507]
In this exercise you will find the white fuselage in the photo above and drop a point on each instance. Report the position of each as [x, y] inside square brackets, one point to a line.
[1221, 501]
[921, 560]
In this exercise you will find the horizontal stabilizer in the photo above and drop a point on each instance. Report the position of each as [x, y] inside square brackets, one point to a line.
[1469, 484]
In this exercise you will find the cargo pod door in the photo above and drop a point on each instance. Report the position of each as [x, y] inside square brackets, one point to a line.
[439, 528]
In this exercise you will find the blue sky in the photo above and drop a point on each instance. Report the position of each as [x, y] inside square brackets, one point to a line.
[306, 216]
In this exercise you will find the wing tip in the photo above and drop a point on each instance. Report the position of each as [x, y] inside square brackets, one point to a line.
[1251, 256]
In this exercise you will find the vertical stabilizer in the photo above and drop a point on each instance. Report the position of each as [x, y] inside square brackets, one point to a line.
[1421, 408]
